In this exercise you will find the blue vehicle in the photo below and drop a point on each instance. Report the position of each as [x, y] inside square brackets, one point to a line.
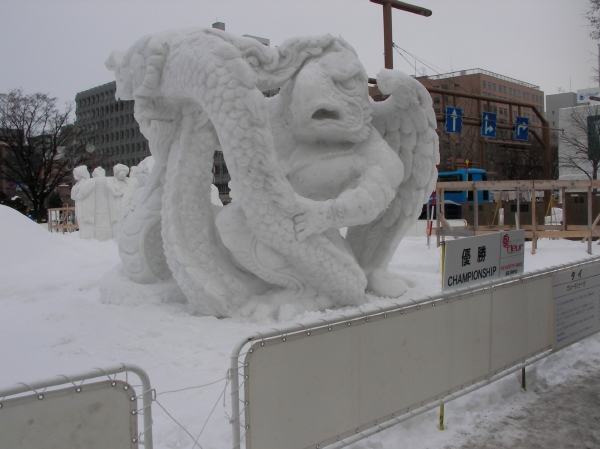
[463, 196]
[453, 199]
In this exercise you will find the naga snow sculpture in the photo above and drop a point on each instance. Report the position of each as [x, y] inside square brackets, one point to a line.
[319, 156]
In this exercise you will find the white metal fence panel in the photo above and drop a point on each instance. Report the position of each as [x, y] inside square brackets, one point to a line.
[332, 383]
[521, 322]
[98, 416]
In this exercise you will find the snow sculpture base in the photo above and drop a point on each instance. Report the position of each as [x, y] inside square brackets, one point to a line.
[317, 157]
[116, 288]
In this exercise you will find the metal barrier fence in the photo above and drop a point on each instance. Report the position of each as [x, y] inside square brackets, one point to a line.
[332, 382]
[98, 414]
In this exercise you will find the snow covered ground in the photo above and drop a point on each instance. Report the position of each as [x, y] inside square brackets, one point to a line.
[65, 308]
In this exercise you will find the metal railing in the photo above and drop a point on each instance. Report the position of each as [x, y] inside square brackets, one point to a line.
[240, 379]
[59, 380]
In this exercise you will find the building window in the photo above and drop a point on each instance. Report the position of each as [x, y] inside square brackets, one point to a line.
[484, 84]
[436, 100]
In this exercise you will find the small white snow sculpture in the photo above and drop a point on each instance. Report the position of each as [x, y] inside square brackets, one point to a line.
[83, 193]
[102, 226]
[133, 194]
[319, 156]
[117, 185]
[99, 172]
[102, 203]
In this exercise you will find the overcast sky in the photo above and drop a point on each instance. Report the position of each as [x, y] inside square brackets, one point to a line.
[59, 46]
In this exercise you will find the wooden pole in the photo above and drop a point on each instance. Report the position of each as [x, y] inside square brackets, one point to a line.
[518, 220]
[387, 24]
[589, 218]
[533, 220]
[387, 36]
[475, 209]
[437, 215]
[563, 195]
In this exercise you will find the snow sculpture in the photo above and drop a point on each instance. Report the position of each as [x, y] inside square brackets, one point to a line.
[83, 193]
[319, 156]
[214, 196]
[102, 226]
[99, 172]
[135, 190]
[117, 185]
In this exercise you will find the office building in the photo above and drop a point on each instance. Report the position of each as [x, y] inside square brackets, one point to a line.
[482, 152]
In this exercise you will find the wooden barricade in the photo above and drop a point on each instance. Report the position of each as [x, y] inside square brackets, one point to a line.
[534, 230]
[62, 219]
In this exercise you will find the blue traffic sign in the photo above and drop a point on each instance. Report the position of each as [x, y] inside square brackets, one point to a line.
[521, 128]
[454, 117]
[488, 124]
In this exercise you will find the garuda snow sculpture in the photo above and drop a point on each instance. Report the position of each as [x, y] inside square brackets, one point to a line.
[319, 156]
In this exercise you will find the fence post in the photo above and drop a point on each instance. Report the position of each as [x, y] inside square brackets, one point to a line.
[475, 210]
[533, 219]
[589, 218]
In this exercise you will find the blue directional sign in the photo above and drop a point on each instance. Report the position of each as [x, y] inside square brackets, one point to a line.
[488, 124]
[521, 128]
[454, 117]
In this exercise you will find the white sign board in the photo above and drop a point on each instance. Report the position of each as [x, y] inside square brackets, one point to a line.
[473, 260]
[470, 261]
[583, 95]
[512, 253]
[576, 296]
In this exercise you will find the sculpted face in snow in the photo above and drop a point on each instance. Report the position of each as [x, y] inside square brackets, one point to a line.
[319, 156]
[329, 100]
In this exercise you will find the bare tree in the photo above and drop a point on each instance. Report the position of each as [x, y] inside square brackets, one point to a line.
[40, 144]
[580, 140]
[593, 17]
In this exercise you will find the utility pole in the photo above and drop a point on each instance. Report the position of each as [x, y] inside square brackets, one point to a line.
[387, 24]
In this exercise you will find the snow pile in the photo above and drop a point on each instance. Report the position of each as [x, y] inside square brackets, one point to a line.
[53, 319]
[555, 217]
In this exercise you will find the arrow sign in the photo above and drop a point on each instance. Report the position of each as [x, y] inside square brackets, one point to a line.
[521, 128]
[454, 117]
[488, 124]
